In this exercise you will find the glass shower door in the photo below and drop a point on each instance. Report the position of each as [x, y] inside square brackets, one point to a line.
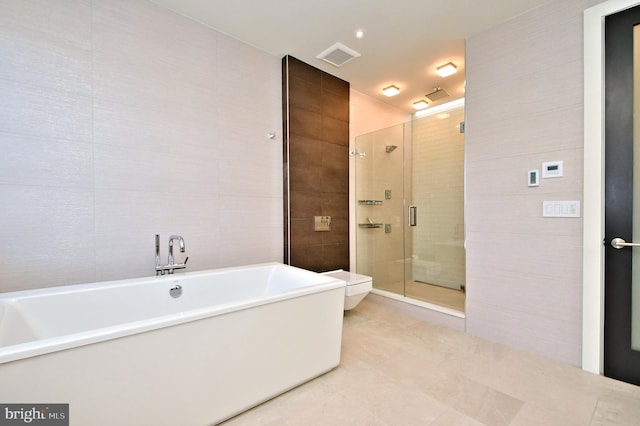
[435, 244]
[379, 207]
[413, 169]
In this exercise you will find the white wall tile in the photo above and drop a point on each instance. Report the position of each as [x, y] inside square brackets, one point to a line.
[524, 284]
[29, 160]
[115, 130]
[136, 127]
[46, 236]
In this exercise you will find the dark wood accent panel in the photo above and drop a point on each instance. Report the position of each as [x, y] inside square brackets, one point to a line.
[332, 84]
[335, 203]
[334, 105]
[335, 131]
[303, 71]
[316, 161]
[305, 123]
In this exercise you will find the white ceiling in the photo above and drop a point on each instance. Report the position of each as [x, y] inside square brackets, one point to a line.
[405, 40]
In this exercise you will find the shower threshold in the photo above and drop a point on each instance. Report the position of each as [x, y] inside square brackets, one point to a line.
[426, 311]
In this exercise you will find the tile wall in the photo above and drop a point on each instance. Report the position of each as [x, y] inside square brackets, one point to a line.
[317, 164]
[119, 120]
[524, 272]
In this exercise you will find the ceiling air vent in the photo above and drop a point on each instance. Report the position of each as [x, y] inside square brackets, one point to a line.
[338, 55]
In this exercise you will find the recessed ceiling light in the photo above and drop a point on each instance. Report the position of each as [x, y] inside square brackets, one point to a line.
[446, 69]
[358, 33]
[390, 91]
[421, 104]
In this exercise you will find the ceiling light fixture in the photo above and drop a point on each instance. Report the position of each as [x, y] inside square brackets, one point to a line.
[421, 104]
[390, 91]
[446, 70]
[358, 33]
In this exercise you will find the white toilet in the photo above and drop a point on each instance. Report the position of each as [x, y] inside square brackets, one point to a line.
[358, 286]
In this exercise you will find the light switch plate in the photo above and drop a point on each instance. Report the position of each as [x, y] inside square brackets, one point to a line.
[561, 208]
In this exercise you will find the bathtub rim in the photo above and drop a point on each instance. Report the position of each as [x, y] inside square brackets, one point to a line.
[59, 343]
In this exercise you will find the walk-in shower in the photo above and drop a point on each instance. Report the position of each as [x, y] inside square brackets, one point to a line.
[410, 209]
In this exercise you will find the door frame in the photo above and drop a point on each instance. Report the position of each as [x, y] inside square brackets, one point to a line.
[593, 202]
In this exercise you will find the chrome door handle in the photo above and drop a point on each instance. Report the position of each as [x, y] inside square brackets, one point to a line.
[413, 215]
[618, 243]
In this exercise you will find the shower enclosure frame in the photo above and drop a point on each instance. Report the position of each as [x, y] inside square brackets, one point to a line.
[376, 223]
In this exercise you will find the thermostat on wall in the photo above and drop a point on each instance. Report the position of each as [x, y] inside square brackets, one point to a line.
[552, 169]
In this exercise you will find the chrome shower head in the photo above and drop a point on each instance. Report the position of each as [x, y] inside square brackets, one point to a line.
[437, 94]
[390, 148]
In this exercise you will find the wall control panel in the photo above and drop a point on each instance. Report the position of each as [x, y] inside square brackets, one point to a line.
[552, 169]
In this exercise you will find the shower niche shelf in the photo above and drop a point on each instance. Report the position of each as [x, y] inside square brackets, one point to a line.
[370, 202]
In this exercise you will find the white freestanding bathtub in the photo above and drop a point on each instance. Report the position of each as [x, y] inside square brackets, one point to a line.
[128, 353]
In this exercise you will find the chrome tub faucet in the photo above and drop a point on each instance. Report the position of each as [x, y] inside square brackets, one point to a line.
[180, 242]
[171, 265]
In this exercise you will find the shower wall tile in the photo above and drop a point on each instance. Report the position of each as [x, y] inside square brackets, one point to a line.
[526, 293]
[120, 120]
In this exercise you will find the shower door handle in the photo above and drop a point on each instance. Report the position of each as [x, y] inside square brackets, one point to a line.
[413, 215]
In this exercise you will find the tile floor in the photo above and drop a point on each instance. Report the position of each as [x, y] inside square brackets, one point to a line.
[398, 370]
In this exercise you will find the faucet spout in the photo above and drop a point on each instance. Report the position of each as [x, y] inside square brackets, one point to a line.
[180, 243]
[169, 267]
